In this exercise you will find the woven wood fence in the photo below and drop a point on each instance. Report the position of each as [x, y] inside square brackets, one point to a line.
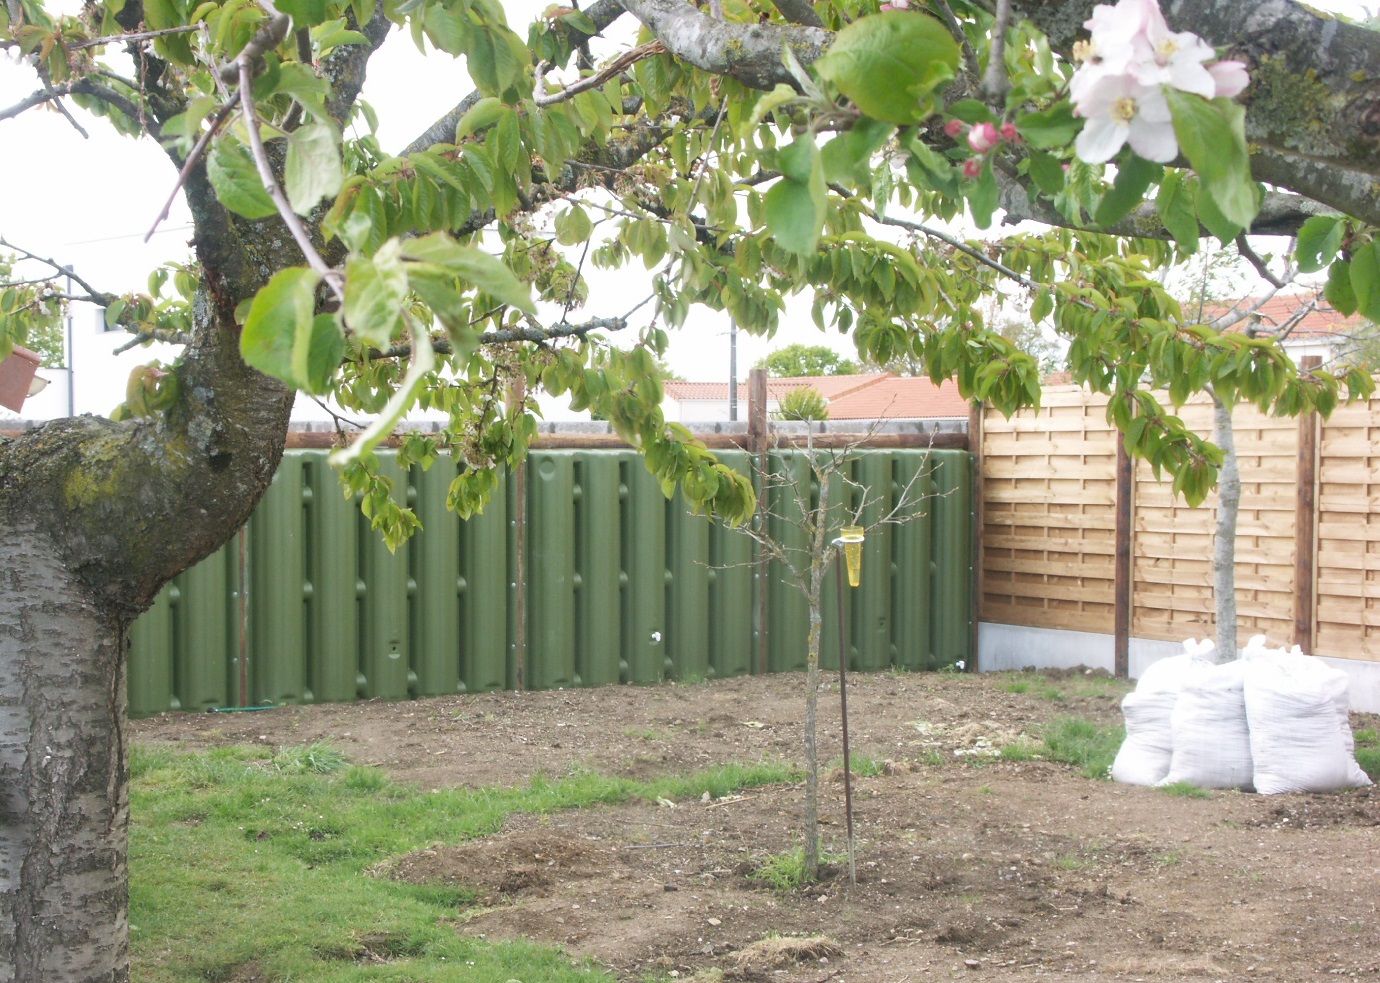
[1308, 538]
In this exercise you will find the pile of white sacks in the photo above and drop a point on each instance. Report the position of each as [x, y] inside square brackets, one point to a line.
[1274, 720]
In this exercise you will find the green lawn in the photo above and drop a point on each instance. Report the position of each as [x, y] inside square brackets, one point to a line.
[245, 863]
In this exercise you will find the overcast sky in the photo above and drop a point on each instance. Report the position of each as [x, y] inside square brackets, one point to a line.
[88, 203]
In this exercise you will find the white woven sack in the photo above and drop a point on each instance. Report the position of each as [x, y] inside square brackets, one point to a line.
[1171, 673]
[1145, 754]
[1212, 744]
[1301, 737]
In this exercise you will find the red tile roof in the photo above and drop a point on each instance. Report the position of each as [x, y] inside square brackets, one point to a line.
[874, 396]
[828, 386]
[1323, 323]
[895, 398]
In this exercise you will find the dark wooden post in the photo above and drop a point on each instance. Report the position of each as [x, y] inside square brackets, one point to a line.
[1305, 522]
[517, 395]
[757, 444]
[1123, 572]
[975, 449]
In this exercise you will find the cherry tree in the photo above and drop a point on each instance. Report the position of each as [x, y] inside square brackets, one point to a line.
[740, 156]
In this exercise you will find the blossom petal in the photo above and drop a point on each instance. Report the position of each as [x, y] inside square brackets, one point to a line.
[1230, 76]
[1100, 139]
[1153, 141]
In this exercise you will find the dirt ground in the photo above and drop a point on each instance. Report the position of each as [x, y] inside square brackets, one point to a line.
[965, 866]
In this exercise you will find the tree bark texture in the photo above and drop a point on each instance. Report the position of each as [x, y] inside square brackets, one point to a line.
[64, 806]
[1224, 540]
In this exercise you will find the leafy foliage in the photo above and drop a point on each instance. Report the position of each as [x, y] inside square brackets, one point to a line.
[803, 360]
[439, 271]
[803, 403]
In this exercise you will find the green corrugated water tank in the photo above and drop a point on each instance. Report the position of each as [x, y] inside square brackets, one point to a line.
[622, 585]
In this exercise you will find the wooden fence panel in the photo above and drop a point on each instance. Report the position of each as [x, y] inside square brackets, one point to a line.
[1172, 589]
[1348, 534]
[1049, 482]
[1049, 524]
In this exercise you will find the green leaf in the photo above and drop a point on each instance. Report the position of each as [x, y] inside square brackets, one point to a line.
[581, 22]
[1365, 280]
[891, 64]
[325, 348]
[313, 170]
[1134, 175]
[1175, 205]
[573, 226]
[279, 320]
[1223, 228]
[1212, 136]
[481, 115]
[305, 13]
[1049, 129]
[473, 266]
[375, 288]
[1319, 239]
[1338, 288]
[848, 157]
[982, 195]
[778, 96]
[232, 173]
[795, 205]
[1047, 171]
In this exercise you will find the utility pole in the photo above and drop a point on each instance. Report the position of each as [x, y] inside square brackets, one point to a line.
[732, 370]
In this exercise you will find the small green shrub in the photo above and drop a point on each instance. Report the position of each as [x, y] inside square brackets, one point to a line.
[804, 403]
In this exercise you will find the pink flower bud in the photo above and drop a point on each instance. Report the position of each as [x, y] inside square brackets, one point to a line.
[954, 127]
[983, 137]
[972, 167]
[1008, 132]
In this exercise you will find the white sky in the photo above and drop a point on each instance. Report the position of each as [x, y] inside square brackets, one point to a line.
[88, 203]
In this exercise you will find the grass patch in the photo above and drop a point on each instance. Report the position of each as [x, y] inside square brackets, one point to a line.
[1185, 790]
[861, 766]
[785, 872]
[1368, 751]
[243, 861]
[1087, 746]
[1041, 687]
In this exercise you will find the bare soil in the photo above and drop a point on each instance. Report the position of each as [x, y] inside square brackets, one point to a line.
[966, 866]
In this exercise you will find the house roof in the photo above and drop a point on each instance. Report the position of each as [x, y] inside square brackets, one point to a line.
[872, 396]
[1325, 323]
[828, 386]
[896, 398]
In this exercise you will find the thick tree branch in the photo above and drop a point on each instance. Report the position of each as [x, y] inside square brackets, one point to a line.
[1281, 213]
[750, 53]
[603, 13]
[800, 12]
[1314, 101]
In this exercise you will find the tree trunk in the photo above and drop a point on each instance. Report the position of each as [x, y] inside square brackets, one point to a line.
[64, 805]
[811, 721]
[1224, 541]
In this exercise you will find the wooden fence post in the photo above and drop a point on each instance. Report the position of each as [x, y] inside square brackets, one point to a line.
[975, 449]
[1306, 523]
[1123, 568]
[757, 441]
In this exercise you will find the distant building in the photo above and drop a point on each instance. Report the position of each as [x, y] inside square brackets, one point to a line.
[1324, 332]
[870, 396]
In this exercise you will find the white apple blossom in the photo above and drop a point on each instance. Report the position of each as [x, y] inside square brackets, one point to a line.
[1130, 58]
